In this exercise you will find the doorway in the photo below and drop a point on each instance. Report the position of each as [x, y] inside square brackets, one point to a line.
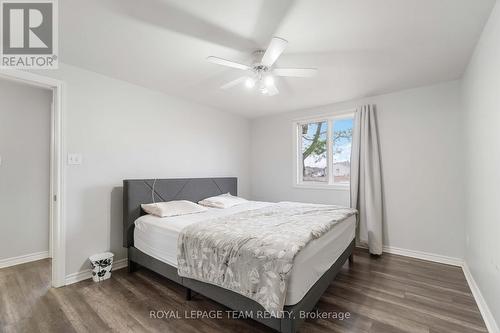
[55, 198]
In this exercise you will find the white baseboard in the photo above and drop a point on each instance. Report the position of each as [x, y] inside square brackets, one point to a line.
[488, 318]
[424, 256]
[87, 274]
[23, 259]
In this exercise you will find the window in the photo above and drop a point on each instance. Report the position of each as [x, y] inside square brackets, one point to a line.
[314, 152]
[324, 152]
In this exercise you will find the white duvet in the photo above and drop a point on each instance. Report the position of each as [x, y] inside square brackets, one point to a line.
[252, 252]
[158, 237]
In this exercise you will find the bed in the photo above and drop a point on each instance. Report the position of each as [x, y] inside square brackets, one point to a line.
[152, 243]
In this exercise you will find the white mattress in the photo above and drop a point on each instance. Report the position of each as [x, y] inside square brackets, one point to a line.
[157, 237]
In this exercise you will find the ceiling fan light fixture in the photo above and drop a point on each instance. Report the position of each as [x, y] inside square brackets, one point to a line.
[269, 81]
[249, 83]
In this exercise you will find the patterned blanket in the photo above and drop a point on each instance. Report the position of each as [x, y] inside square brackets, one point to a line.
[252, 252]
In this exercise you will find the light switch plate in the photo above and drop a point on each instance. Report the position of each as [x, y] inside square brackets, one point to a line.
[75, 159]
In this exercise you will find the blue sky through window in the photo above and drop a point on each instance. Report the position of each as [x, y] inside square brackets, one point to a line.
[342, 146]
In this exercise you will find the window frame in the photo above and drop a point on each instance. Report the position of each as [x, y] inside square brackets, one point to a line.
[298, 181]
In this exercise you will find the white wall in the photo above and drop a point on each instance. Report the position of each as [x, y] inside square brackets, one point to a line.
[24, 171]
[126, 131]
[481, 88]
[422, 165]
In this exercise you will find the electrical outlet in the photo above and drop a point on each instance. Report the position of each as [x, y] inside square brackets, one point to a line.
[75, 159]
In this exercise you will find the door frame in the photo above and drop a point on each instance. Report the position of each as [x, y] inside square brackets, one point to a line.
[57, 233]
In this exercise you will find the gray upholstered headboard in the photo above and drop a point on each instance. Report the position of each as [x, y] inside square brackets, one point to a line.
[140, 191]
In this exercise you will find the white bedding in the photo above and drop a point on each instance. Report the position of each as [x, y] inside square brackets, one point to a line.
[157, 237]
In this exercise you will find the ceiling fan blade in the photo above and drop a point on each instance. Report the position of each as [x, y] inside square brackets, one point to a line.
[295, 72]
[233, 83]
[228, 63]
[272, 90]
[276, 47]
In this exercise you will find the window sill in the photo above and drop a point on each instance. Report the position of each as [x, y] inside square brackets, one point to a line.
[312, 186]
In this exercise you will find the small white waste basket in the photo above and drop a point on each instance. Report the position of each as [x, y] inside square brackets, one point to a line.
[101, 266]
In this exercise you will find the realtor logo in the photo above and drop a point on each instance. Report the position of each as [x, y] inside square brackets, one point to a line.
[29, 34]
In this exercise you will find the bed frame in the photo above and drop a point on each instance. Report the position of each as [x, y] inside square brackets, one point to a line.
[137, 192]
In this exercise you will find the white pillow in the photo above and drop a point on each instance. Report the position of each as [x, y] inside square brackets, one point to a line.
[172, 208]
[222, 201]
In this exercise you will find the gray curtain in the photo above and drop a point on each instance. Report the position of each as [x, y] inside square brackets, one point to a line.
[366, 178]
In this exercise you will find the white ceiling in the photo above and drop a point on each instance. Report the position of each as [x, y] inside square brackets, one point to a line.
[361, 47]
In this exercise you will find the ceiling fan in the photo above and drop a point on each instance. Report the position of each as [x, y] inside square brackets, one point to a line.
[261, 71]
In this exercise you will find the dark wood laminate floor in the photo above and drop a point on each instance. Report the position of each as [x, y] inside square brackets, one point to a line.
[383, 295]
